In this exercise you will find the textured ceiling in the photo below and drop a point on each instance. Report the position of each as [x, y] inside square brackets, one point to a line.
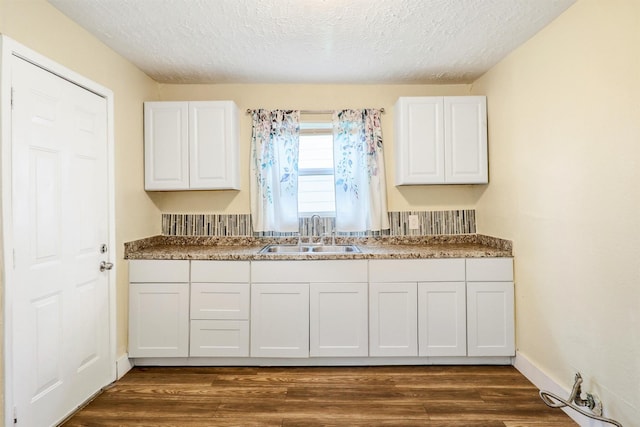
[313, 41]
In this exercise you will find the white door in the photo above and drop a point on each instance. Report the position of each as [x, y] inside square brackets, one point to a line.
[60, 298]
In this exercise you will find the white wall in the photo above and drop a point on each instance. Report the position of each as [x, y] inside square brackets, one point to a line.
[564, 135]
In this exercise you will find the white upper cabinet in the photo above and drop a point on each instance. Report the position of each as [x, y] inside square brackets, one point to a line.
[166, 146]
[419, 140]
[441, 140]
[191, 145]
[465, 140]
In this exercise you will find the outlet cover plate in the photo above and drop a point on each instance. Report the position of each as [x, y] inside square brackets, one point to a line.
[414, 224]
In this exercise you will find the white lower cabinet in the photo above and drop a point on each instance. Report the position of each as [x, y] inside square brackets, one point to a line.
[338, 320]
[220, 299]
[311, 307]
[158, 308]
[442, 319]
[413, 303]
[393, 319]
[490, 325]
[322, 308]
[490, 307]
[280, 320]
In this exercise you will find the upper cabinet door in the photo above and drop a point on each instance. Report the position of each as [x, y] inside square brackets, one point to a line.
[213, 147]
[419, 140]
[191, 145]
[166, 146]
[441, 140]
[465, 140]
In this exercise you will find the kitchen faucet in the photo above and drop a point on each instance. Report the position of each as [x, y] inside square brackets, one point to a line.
[314, 228]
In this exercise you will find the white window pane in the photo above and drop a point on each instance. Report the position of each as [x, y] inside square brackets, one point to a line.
[316, 193]
[317, 208]
[315, 151]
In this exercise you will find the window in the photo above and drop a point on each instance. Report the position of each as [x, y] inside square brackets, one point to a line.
[316, 189]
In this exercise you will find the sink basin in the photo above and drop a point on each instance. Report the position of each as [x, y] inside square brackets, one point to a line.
[334, 249]
[284, 249]
[309, 249]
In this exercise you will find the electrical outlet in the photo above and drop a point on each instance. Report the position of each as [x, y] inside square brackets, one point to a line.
[414, 224]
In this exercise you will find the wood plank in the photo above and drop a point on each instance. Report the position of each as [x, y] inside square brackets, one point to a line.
[434, 396]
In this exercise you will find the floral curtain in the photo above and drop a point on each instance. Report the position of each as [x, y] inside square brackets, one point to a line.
[274, 170]
[361, 198]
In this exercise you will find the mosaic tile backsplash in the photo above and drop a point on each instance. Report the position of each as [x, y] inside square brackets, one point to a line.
[222, 225]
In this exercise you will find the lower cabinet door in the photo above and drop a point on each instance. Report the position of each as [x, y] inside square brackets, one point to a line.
[280, 320]
[158, 319]
[393, 319]
[219, 338]
[338, 320]
[442, 319]
[490, 319]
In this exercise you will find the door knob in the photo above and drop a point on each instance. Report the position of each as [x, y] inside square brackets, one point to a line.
[104, 265]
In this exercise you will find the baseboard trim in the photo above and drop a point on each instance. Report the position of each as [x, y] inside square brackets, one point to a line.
[123, 365]
[544, 382]
[319, 361]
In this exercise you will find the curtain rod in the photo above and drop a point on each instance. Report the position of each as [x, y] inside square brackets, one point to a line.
[249, 111]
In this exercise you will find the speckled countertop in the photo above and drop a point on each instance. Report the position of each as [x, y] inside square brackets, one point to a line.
[247, 248]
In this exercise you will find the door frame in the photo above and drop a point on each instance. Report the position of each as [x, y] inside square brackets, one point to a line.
[8, 49]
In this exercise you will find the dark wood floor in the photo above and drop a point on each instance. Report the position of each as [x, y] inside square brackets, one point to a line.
[452, 396]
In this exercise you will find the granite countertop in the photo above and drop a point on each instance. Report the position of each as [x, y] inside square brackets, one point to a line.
[388, 247]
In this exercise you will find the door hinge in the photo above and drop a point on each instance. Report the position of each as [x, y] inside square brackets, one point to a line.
[14, 259]
[15, 415]
[12, 92]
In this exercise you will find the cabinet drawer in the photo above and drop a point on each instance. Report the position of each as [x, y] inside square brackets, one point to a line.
[220, 271]
[220, 301]
[489, 269]
[159, 271]
[424, 270]
[219, 338]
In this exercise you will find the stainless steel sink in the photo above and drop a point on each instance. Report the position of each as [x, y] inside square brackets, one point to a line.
[284, 249]
[334, 249]
[308, 249]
